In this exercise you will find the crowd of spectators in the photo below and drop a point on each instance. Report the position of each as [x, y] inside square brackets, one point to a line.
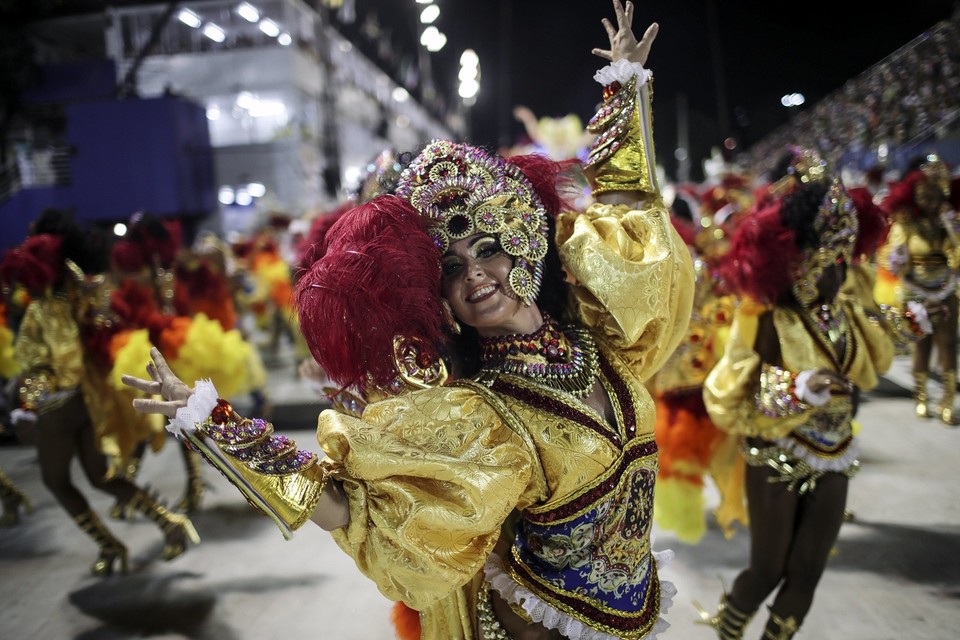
[908, 100]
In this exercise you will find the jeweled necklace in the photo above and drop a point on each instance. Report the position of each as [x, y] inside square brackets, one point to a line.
[566, 360]
[829, 322]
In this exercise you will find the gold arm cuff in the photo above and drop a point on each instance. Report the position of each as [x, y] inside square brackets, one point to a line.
[622, 155]
[279, 480]
[903, 328]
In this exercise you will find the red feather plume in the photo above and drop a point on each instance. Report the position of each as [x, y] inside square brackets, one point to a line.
[128, 256]
[762, 257]
[406, 622]
[36, 264]
[685, 229]
[378, 277]
[900, 195]
[873, 222]
[308, 249]
[544, 174]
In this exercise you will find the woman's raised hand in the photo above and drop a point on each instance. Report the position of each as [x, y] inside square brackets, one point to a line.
[623, 44]
[172, 391]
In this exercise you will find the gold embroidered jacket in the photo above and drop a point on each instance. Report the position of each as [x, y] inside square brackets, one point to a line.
[731, 389]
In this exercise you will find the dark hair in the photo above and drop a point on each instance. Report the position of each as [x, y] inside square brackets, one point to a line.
[88, 247]
[915, 163]
[799, 209]
[681, 209]
[782, 166]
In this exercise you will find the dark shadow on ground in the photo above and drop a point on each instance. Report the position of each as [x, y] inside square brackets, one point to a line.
[145, 605]
[926, 555]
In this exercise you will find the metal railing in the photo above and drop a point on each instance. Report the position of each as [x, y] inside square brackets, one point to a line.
[35, 168]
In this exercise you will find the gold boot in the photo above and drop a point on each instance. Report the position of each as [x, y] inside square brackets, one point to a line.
[177, 528]
[780, 628]
[920, 394]
[729, 622]
[191, 499]
[945, 408]
[111, 549]
[12, 498]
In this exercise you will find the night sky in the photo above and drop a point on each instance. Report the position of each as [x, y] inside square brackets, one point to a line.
[729, 60]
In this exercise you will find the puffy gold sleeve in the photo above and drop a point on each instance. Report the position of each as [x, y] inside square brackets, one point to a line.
[49, 340]
[730, 390]
[430, 478]
[634, 279]
[876, 345]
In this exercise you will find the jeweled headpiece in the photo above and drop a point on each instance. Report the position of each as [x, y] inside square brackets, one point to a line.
[384, 168]
[934, 189]
[464, 190]
[807, 166]
[836, 224]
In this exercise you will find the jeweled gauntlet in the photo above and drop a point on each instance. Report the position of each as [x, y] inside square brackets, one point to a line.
[778, 394]
[280, 480]
[622, 157]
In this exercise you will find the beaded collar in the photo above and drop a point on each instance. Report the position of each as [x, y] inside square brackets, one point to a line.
[564, 359]
[830, 321]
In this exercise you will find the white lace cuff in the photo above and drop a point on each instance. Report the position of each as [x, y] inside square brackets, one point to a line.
[621, 71]
[920, 316]
[199, 407]
[805, 394]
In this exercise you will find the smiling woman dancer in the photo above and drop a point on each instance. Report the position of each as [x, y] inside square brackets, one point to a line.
[516, 501]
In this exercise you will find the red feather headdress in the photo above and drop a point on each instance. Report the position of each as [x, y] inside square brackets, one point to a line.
[36, 264]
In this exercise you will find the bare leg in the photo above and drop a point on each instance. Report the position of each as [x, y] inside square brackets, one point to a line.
[773, 512]
[945, 336]
[921, 354]
[59, 436]
[56, 444]
[94, 465]
[820, 515]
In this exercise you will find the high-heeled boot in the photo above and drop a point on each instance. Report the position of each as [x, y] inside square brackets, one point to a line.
[12, 498]
[177, 528]
[920, 394]
[193, 495]
[780, 628]
[729, 622]
[111, 549]
[945, 408]
[121, 510]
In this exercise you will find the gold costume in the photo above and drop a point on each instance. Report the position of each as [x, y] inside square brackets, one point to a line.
[432, 476]
[49, 349]
[745, 397]
[923, 253]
